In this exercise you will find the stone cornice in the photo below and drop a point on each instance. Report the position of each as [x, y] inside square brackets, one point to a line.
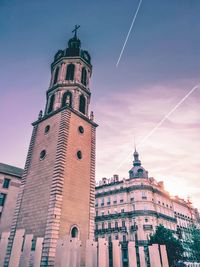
[132, 188]
[68, 59]
[136, 213]
[67, 85]
[59, 110]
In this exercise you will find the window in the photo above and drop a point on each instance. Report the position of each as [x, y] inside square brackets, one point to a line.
[47, 128]
[51, 103]
[67, 99]
[33, 244]
[116, 224]
[81, 129]
[116, 237]
[123, 224]
[146, 220]
[124, 238]
[84, 76]
[56, 75]
[108, 201]
[42, 154]
[122, 210]
[79, 154]
[6, 183]
[82, 104]
[2, 199]
[144, 195]
[102, 225]
[102, 202]
[109, 225]
[96, 203]
[70, 72]
[96, 226]
[74, 232]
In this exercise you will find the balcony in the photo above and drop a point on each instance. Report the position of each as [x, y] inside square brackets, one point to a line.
[134, 228]
[148, 227]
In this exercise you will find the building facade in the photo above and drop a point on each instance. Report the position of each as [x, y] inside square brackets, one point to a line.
[10, 180]
[130, 209]
[56, 197]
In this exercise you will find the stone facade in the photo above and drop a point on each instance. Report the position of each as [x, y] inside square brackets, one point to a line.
[10, 179]
[130, 209]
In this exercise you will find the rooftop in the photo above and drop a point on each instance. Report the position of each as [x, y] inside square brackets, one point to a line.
[11, 170]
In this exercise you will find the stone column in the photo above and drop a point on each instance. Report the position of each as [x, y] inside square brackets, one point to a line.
[62, 257]
[132, 254]
[3, 246]
[91, 254]
[142, 257]
[16, 248]
[38, 252]
[25, 256]
[164, 257]
[117, 254]
[103, 253]
[154, 256]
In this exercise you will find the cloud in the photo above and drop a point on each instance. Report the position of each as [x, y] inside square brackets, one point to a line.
[170, 154]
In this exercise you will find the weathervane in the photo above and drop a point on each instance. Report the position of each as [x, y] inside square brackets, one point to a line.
[75, 30]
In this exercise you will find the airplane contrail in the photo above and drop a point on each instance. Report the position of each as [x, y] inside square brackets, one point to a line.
[161, 122]
[133, 22]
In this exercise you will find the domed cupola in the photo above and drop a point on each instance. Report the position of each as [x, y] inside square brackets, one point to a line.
[74, 45]
[137, 171]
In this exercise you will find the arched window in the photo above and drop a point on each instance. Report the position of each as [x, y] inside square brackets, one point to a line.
[70, 72]
[84, 76]
[82, 104]
[56, 75]
[67, 99]
[74, 232]
[51, 103]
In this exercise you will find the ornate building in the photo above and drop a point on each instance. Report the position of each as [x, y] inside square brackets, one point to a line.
[130, 209]
[58, 184]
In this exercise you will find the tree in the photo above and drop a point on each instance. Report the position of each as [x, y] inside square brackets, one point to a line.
[163, 236]
[195, 243]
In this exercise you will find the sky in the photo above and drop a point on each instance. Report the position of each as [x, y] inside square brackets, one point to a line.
[159, 66]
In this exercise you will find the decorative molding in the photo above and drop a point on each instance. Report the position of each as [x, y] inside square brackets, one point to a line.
[136, 213]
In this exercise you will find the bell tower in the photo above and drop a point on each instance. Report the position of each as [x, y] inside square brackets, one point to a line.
[57, 193]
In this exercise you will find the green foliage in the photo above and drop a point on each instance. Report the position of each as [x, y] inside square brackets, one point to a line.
[174, 247]
[195, 243]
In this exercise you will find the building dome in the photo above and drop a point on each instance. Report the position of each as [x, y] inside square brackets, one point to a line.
[73, 50]
[137, 171]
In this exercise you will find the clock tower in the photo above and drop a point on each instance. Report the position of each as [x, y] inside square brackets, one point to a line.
[57, 193]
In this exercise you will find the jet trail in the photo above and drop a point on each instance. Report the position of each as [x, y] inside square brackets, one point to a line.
[133, 22]
[161, 122]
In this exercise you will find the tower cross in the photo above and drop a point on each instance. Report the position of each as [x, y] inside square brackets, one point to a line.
[75, 29]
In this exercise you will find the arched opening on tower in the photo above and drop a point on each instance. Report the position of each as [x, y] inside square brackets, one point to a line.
[82, 104]
[51, 103]
[70, 72]
[74, 232]
[84, 76]
[67, 99]
[56, 75]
